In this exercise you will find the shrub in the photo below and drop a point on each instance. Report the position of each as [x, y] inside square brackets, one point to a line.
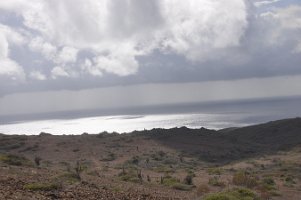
[148, 178]
[244, 179]
[188, 180]
[130, 176]
[15, 160]
[180, 186]
[175, 183]
[109, 157]
[268, 184]
[37, 161]
[214, 181]
[214, 171]
[68, 177]
[269, 181]
[79, 168]
[158, 156]
[135, 160]
[41, 186]
[164, 169]
[191, 172]
[169, 181]
[289, 181]
[234, 194]
[202, 189]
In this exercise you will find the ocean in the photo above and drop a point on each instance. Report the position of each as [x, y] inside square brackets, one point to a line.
[214, 115]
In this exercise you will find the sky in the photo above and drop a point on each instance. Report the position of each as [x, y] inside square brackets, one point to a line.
[122, 53]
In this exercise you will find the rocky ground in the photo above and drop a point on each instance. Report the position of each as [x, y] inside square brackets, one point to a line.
[257, 162]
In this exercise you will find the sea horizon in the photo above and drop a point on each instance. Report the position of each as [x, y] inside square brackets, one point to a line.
[216, 115]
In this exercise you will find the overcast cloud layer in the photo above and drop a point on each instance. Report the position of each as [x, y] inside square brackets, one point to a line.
[51, 45]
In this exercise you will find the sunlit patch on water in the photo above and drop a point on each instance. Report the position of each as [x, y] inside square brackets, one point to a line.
[123, 123]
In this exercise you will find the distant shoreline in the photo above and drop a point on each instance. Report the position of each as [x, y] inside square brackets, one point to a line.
[151, 130]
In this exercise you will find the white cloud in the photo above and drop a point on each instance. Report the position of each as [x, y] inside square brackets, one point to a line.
[9, 36]
[264, 3]
[59, 72]
[15, 5]
[37, 76]
[48, 50]
[116, 32]
[3, 46]
[11, 69]
[290, 17]
[283, 26]
[67, 55]
[51, 52]
[197, 29]
[87, 67]
[8, 67]
[106, 36]
[121, 65]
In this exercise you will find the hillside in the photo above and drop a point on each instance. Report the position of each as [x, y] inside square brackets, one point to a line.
[177, 163]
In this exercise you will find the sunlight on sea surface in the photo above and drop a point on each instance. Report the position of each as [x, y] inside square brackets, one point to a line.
[122, 123]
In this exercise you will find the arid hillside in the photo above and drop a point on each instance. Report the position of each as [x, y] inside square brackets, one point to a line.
[255, 162]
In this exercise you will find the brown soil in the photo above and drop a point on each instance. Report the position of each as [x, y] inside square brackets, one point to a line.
[152, 164]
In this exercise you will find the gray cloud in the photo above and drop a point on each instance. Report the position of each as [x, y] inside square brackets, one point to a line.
[119, 97]
[52, 46]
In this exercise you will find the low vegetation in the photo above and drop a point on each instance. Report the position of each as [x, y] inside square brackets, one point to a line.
[131, 175]
[68, 177]
[42, 186]
[234, 194]
[245, 179]
[214, 171]
[215, 181]
[202, 190]
[175, 183]
[179, 163]
[16, 160]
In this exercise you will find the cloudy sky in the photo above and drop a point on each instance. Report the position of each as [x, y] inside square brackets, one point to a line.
[63, 55]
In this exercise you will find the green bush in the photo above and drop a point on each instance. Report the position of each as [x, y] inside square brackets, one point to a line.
[69, 178]
[170, 181]
[180, 186]
[158, 156]
[244, 179]
[130, 176]
[268, 184]
[215, 181]
[269, 181]
[289, 181]
[42, 186]
[234, 194]
[16, 160]
[175, 183]
[109, 157]
[214, 171]
[164, 169]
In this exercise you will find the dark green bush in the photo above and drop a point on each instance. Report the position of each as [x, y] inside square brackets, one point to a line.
[180, 186]
[188, 180]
